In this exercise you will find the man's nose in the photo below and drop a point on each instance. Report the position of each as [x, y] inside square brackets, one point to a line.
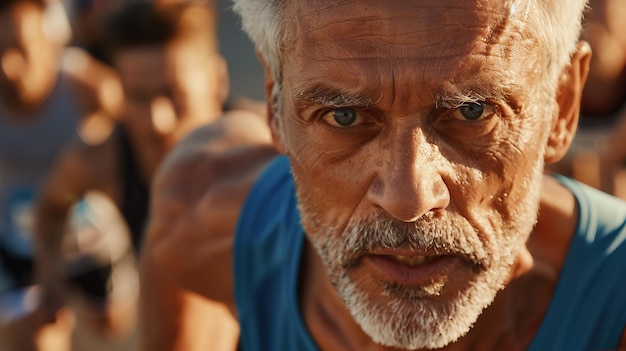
[162, 115]
[409, 183]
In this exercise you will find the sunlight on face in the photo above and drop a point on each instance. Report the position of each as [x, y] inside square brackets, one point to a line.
[435, 314]
[417, 177]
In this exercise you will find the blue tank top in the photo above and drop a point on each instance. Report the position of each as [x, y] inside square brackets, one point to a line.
[587, 312]
[29, 145]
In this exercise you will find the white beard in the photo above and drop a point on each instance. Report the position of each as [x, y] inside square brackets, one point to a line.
[408, 317]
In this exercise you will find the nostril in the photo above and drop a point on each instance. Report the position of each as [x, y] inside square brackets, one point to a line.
[441, 194]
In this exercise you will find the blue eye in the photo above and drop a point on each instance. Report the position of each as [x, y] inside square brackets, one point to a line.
[344, 116]
[472, 111]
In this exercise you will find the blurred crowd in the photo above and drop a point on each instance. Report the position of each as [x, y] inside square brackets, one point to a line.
[94, 93]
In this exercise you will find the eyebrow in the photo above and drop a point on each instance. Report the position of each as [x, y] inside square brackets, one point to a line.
[448, 96]
[453, 96]
[332, 97]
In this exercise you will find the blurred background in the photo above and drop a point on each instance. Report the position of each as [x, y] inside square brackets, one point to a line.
[245, 71]
[246, 74]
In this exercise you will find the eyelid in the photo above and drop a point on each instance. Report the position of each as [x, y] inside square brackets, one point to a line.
[489, 110]
[328, 117]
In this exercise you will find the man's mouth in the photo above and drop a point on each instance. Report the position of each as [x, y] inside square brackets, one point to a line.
[412, 261]
[411, 269]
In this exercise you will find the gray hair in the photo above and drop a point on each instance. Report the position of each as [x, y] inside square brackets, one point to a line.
[550, 17]
[264, 22]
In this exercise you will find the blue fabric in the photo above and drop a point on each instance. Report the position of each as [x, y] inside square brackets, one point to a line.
[588, 308]
[268, 247]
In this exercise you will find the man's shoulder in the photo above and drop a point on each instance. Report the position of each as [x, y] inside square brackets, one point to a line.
[598, 211]
[228, 151]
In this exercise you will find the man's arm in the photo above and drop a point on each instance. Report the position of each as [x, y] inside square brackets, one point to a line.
[99, 95]
[173, 319]
[65, 185]
[196, 198]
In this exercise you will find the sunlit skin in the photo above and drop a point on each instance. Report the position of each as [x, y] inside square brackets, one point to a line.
[382, 125]
[28, 59]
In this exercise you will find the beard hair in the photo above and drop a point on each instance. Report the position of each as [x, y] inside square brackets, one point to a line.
[406, 317]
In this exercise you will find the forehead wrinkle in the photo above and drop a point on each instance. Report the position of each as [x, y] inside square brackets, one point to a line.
[376, 29]
[478, 78]
[400, 85]
[357, 45]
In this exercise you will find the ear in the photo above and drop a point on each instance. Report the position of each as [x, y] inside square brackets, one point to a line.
[272, 118]
[569, 92]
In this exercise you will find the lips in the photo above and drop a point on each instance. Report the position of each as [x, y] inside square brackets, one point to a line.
[411, 270]
[412, 261]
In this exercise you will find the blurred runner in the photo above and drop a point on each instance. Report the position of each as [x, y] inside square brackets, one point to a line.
[46, 90]
[174, 81]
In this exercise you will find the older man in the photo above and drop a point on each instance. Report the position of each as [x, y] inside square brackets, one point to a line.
[411, 210]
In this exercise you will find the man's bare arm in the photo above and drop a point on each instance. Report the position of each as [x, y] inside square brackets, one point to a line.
[64, 187]
[174, 319]
[196, 198]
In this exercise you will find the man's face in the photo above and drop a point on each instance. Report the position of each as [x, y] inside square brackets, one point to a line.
[167, 89]
[416, 137]
[27, 56]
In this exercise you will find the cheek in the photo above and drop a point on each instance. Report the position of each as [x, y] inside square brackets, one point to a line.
[521, 160]
[495, 191]
[329, 191]
[330, 187]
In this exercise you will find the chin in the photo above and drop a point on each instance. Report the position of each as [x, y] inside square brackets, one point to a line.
[405, 318]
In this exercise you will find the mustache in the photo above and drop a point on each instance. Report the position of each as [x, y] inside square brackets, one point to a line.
[436, 236]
